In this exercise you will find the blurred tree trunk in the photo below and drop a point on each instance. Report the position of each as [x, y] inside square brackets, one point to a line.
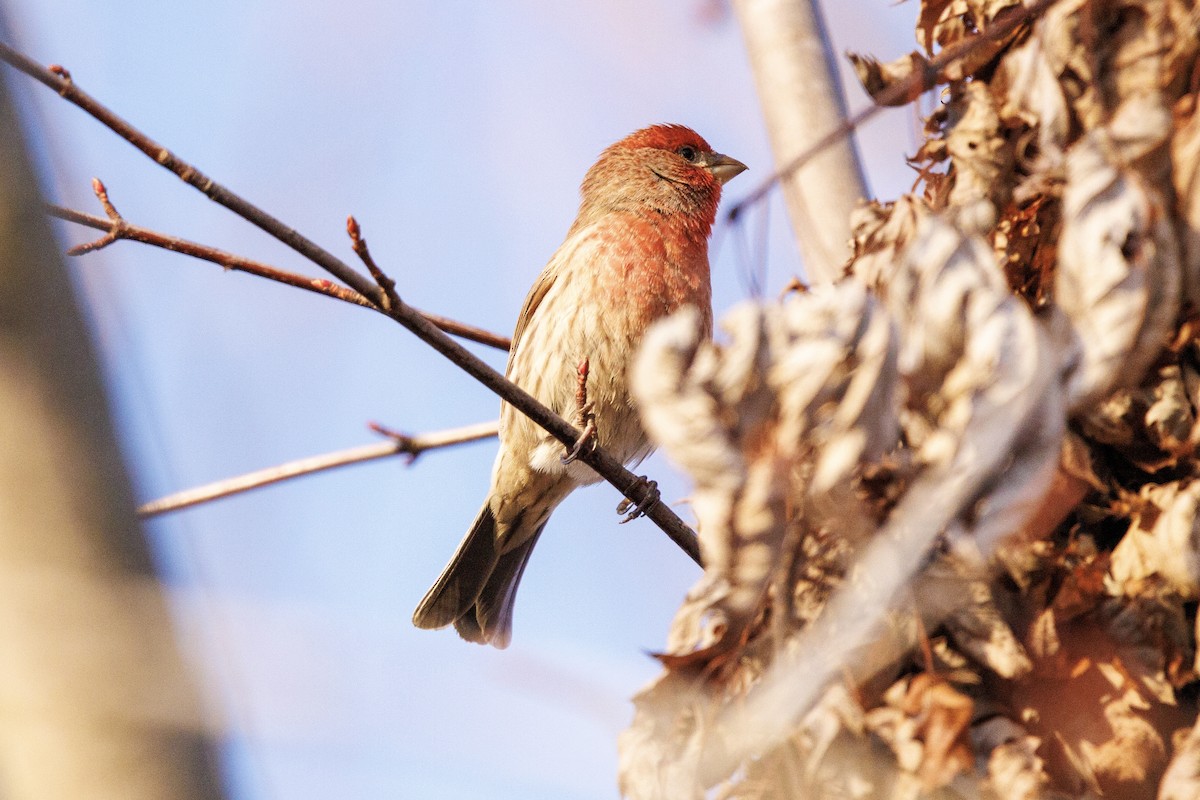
[95, 701]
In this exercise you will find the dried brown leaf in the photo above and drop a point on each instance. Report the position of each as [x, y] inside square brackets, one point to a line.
[982, 159]
[1015, 771]
[957, 594]
[1029, 81]
[982, 373]
[1025, 239]
[1118, 275]
[949, 22]
[925, 723]
[1163, 539]
[1170, 420]
[782, 415]
[660, 753]
[880, 233]
[1082, 587]
[945, 715]
[1182, 778]
[878, 78]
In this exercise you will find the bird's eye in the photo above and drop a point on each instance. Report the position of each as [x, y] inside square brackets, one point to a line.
[688, 153]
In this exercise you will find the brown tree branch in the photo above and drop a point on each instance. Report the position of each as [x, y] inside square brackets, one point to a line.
[117, 227]
[917, 82]
[598, 459]
[60, 80]
[359, 245]
[469, 332]
[122, 229]
[396, 444]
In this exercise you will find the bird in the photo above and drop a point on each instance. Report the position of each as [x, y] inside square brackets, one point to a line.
[637, 251]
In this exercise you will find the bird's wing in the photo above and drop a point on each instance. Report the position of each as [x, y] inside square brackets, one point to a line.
[578, 248]
[537, 293]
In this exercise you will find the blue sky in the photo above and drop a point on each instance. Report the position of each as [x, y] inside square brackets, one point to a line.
[457, 132]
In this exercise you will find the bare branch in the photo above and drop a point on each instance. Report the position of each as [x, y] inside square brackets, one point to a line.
[597, 458]
[58, 79]
[116, 222]
[465, 331]
[359, 244]
[397, 444]
[137, 233]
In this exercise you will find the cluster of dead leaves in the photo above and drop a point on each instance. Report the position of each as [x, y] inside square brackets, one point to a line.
[948, 507]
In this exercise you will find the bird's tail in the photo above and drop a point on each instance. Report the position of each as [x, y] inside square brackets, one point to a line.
[477, 589]
[489, 621]
[454, 593]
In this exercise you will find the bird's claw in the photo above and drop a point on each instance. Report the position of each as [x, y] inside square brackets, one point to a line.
[587, 437]
[638, 508]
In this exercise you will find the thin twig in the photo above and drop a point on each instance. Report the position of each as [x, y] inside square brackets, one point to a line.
[231, 261]
[136, 233]
[359, 245]
[396, 444]
[469, 332]
[61, 82]
[115, 223]
[597, 458]
[922, 80]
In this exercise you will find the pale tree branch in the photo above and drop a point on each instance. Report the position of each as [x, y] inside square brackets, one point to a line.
[597, 458]
[395, 444]
[801, 99]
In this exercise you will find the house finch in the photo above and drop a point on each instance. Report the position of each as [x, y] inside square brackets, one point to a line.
[637, 251]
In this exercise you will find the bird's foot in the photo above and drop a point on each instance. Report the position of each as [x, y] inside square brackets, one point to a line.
[586, 439]
[633, 509]
[585, 416]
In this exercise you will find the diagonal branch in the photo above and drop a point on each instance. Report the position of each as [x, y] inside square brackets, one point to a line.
[598, 459]
[63, 84]
[119, 228]
[396, 444]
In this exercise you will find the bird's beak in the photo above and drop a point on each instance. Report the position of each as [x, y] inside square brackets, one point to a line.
[724, 168]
